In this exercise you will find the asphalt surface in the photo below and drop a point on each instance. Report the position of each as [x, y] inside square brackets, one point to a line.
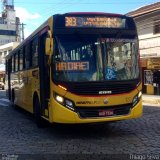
[20, 137]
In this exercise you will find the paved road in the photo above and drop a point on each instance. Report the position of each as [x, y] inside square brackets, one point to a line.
[2, 94]
[19, 135]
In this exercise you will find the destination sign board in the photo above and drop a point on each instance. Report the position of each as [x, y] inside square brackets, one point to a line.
[72, 66]
[99, 22]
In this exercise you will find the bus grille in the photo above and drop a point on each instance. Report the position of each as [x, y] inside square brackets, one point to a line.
[93, 112]
[94, 89]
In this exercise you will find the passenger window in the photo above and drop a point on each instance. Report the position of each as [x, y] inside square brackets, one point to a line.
[21, 60]
[13, 64]
[35, 53]
[16, 62]
[27, 56]
[6, 67]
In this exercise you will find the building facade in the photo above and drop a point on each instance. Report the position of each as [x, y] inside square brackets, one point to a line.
[9, 31]
[9, 23]
[4, 50]
[147, 20]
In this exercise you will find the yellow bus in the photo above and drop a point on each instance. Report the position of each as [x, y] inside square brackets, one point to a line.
[78, 68]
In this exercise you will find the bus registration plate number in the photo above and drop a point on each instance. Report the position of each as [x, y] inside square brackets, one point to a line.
[105, 113]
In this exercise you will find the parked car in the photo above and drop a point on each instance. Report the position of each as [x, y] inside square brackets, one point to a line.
[2, 85]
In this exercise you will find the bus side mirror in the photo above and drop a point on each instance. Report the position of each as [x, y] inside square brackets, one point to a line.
[49, 46]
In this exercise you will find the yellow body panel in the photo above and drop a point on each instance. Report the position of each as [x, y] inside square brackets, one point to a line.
[27, 85]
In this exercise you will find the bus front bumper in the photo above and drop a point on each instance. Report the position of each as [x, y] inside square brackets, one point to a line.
[60, 114]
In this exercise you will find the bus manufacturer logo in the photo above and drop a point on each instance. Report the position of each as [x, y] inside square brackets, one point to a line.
[105, 101]
[105, 92]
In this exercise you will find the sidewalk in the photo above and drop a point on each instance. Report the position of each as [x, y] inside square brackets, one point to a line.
[153, 100]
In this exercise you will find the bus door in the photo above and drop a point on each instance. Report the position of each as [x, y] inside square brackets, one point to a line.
[44, 71]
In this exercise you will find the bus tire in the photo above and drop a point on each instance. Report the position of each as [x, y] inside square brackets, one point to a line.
[37, 114]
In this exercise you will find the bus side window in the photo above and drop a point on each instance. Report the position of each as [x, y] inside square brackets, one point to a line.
[13, 64]
[24, 60]
[20, 60]
[16, 61]
[6, 69]
[27, 56]
[34, 52]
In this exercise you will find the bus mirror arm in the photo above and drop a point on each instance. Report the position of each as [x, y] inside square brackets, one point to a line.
[49, 46]
[49, 60]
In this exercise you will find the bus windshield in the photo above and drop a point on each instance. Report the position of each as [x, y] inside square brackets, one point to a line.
[82, 58]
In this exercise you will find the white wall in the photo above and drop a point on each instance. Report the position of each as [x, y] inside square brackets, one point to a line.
[149, 42]
[4, 50]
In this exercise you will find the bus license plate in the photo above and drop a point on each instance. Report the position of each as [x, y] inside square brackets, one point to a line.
[105, 113]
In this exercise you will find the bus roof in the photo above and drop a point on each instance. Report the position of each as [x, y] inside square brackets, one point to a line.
[95, 13]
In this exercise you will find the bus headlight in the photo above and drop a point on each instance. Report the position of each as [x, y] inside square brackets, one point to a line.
[136, 98]
[65, 102]
[59, 99]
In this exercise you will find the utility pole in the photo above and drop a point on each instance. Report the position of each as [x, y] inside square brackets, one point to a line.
[22, 31]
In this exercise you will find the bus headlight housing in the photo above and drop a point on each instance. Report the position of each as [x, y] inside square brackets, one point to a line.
[136, 98]
[69, 104]
[59, 99]
[65, 102]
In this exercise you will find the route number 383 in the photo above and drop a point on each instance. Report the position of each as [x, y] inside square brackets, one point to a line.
[70, 21]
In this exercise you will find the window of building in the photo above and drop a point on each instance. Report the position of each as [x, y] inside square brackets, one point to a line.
[148, 77]
[156, 27]
[0, 57]
[5, 53]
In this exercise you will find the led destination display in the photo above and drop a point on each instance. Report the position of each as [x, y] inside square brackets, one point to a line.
[99, 22]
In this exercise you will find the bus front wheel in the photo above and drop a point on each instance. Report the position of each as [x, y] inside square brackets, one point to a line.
[37, 114]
